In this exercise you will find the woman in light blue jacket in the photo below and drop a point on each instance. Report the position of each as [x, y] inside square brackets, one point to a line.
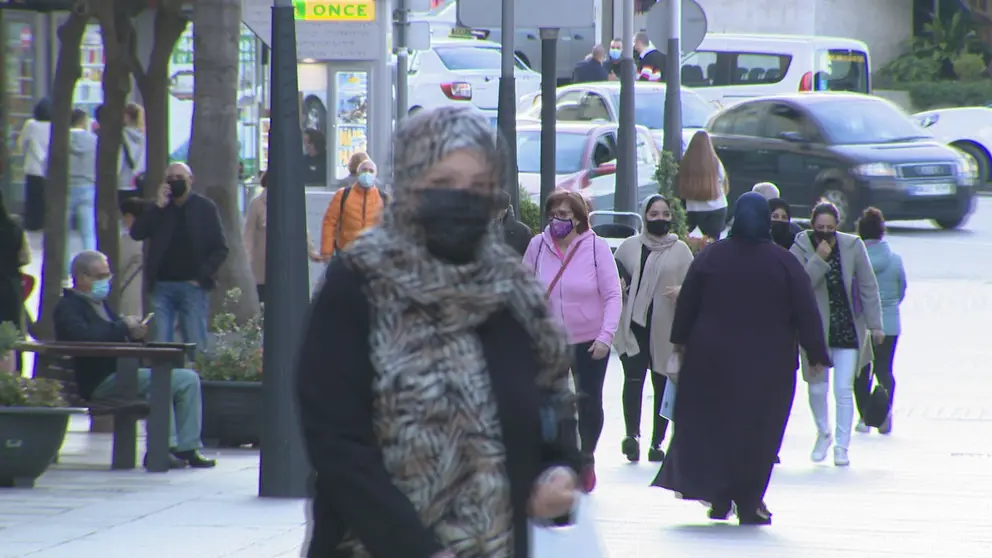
[891, 276]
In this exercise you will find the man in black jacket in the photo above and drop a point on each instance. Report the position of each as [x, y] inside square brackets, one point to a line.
[650, 61]
[592, 68]
[186, 247]
[82, 314]
[515, 233]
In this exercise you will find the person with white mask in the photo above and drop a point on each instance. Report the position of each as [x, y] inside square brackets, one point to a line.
[352, 210]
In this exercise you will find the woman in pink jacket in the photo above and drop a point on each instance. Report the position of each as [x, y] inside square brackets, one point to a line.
[582, 285]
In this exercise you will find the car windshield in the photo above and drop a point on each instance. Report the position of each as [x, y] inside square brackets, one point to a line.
[569, 152]
[649, 109]
[861, 121]
[472, 58]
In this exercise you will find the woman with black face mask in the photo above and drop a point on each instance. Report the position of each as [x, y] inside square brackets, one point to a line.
[657, 262]
[784, 231]
[432, 377]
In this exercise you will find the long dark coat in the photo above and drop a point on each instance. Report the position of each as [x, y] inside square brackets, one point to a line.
[742, 307]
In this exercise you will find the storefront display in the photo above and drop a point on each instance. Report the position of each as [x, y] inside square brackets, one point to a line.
[19, 57]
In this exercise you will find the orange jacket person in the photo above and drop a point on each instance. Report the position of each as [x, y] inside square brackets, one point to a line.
[352, 209]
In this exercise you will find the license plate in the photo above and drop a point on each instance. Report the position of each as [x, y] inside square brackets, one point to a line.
[933, 189]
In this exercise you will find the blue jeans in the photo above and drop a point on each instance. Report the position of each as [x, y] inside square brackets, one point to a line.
[82, 214]
[188, 303]
[187, 405]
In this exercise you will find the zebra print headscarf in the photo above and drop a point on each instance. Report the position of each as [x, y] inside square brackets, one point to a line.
[435, 414]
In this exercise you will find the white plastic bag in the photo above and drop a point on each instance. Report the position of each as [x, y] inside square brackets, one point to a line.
[667, 408]
[579, 540]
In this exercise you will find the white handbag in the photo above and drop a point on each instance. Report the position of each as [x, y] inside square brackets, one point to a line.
[578, 540]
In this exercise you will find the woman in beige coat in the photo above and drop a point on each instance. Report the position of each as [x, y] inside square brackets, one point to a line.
[253, 238]
[847, 296]
[652, 265]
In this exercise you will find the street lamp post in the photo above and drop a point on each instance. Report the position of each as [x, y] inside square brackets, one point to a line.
[284, 470]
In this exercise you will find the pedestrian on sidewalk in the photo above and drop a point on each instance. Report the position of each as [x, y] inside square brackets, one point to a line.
[356, 159]
[253, 237]
[891, 276]
[702, 183]
[314, 158]
[592, 68]
[83, 315]
[82, 182]
[353, 209]
[132, 261]
[186, 247]
[652, 266]
[582, 285]
[784, 230]
[848, 300]
[515, 233]
[742, 306]
[427, 365]
[33, 142]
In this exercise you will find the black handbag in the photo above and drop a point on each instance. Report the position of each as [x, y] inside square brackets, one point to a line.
[878, 407]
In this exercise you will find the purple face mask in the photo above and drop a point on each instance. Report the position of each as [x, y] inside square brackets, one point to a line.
[560, 228]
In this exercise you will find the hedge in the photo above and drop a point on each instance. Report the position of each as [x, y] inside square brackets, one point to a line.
[944, 94]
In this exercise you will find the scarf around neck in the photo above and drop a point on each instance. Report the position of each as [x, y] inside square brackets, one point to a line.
[647, 282]
[435, 416]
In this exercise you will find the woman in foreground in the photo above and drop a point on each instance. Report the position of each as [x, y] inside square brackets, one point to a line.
[743, 304]
[430, 366]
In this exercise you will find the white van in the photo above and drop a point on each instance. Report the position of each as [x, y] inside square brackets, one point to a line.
[727, 68]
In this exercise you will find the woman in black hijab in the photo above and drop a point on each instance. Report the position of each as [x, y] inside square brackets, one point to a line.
[784, 231]
[738, 375]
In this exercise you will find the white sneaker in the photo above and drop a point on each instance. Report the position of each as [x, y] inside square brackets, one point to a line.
[823, 442]
[862, 427]
[840, 457]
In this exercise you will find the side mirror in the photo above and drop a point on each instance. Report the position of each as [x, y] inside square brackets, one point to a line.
[794, 137]
[604, 169]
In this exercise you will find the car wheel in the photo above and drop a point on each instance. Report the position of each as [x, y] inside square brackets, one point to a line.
[834, 193]
[980, 156]
[952, 223]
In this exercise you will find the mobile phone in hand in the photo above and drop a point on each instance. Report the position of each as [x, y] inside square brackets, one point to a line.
[148, 318]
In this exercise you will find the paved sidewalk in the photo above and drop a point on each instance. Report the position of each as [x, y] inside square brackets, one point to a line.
[924, 492]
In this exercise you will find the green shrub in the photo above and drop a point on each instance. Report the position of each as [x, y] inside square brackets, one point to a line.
[944, 94]
[907, 68]
[530, 213]
[16, 391]
[969, 67]
[236, 354]
[668, 169]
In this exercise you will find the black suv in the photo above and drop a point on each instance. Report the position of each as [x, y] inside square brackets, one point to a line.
[850, 149]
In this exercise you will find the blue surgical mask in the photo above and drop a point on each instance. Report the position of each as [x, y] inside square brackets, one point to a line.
[101, 289]
[366, 179]
[615, 53]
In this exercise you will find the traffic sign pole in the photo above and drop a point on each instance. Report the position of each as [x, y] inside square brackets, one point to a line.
[549, 130]
[625, 197]
[401, 19]
[506, 115]
[673, 81]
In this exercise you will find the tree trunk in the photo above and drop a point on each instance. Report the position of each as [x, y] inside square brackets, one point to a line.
[153, 83]
[67, 72]
[213, 150]
[118, 46]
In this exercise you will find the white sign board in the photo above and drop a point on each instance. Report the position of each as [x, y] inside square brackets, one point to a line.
[550, 14]
[323, 40]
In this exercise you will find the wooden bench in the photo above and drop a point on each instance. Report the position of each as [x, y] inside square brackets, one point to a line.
[125, 406]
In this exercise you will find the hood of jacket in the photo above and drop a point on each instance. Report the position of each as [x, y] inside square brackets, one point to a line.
[880, 255]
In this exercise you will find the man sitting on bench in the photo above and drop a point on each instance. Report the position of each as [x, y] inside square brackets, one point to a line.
[83, 314]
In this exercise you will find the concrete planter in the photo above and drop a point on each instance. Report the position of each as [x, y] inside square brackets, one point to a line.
[30, 439]
[232, 413]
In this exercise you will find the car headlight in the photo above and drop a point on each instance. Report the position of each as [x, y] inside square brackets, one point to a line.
[966, 166]
[875, 170]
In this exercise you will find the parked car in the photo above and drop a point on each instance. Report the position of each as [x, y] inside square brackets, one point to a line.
[458, 71]
[600, 102]
[585, 160]
[968, 129]
[853, 150]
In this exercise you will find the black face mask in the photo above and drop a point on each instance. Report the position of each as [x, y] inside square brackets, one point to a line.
[658, 228]
[782, 233]
[178, 188]
[454, 222]
[821, 236]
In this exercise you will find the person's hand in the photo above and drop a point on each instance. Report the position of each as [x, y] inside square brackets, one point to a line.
[554, 494]
[131, 321]
[823, 249]
[138, 332]
[164, 190]
[673, 293]
[599, 350]
[877, 336]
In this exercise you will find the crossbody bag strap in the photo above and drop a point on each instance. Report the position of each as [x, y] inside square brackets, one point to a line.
[337, 233]
[561, 271]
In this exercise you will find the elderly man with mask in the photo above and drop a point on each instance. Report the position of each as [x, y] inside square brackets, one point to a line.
[83, 315]
[186, 247]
